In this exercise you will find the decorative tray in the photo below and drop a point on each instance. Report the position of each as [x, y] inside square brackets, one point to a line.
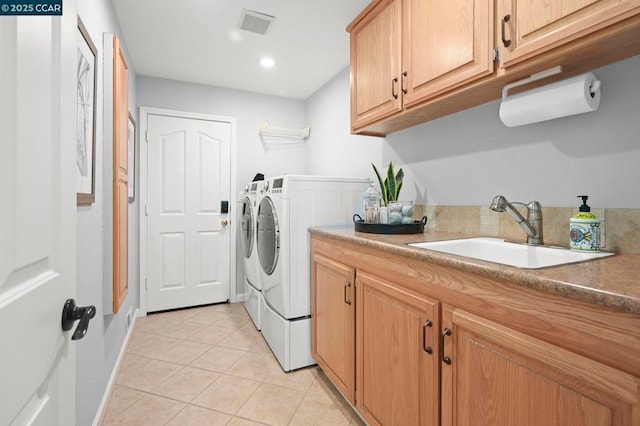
[416, 227]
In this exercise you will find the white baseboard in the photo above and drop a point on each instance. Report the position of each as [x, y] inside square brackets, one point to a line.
[102, 408]
[241, 297]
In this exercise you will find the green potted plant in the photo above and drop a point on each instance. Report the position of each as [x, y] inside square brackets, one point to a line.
[391, 185]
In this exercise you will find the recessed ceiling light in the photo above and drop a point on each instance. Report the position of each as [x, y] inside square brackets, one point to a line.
[267, 62]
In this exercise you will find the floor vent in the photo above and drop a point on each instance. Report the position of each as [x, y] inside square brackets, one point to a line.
[255, 22]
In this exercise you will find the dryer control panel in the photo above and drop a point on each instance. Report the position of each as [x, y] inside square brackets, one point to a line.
[274, 186]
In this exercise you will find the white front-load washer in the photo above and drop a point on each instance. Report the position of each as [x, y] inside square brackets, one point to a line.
[249, 209]
[291, 204]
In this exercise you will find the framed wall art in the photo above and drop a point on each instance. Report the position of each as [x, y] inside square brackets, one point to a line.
[87, 71]
[132, 159]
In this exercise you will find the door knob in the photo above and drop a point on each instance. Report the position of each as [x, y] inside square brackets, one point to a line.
[224, 222]
[71, 313]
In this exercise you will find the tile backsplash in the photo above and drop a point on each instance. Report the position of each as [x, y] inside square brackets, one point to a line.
[620, 231]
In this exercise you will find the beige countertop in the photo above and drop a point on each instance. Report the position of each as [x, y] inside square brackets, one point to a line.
[611, 281]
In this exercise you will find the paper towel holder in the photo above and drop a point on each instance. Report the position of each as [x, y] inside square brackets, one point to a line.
[580, 94]
[539, 76]
[533, 77]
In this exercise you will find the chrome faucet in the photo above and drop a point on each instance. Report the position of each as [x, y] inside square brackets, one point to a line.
[532, 225]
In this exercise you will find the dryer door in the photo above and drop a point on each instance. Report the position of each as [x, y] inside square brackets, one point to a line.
[247, 235]
[268, 235]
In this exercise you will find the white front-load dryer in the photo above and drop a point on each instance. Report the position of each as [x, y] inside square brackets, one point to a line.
[249, 209]
[291, 204]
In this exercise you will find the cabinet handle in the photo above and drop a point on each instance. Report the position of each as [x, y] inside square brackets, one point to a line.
[394, 82]
[506, 42]
[445, 333]
[426, 348]
[404, 76]
[347, 301]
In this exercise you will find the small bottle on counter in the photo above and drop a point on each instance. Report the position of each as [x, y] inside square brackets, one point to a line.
[384, 215]
[584, 229]
[371, 204]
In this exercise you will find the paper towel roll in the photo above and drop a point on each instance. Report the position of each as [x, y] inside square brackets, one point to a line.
[560, 99]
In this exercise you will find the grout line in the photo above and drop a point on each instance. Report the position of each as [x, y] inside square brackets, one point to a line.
[297, 407]
[248, 419]
[164, 381]
[175, 415]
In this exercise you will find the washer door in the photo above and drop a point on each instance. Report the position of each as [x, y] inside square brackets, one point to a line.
[268, 235]
[247, 233]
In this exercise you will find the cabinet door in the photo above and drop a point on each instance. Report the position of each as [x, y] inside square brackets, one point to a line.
[375, 64]
[498, 376]
[533, 27]
[397, 369]
[332, 322]
[445, 44]
[120, 176]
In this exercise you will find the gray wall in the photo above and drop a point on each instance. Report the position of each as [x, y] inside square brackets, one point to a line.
[331, 149]
[249, 109]
[468, 157]
[98, 351]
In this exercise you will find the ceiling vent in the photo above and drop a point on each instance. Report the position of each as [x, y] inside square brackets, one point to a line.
[255, 22]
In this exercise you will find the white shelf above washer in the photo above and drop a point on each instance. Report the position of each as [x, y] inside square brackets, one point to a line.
[274, 132]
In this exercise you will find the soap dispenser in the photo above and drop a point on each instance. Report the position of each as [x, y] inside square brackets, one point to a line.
[584, 229]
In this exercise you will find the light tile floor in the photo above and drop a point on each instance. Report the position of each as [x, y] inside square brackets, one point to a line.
[210, 366]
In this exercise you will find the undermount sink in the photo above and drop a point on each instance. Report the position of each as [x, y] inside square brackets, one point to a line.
[512, 254]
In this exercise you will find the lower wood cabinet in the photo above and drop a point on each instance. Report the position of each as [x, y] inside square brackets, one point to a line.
[333, 322]
[402, 357]
[397, 368]
[498, 376]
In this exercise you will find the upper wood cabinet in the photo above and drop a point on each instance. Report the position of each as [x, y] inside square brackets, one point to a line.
[417, 60]
[445, 44]
[333, 322]
[406, 51]
[530, 28]
[376, 65]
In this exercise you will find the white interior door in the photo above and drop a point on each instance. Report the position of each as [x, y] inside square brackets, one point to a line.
[188, 238]
[37, 217]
